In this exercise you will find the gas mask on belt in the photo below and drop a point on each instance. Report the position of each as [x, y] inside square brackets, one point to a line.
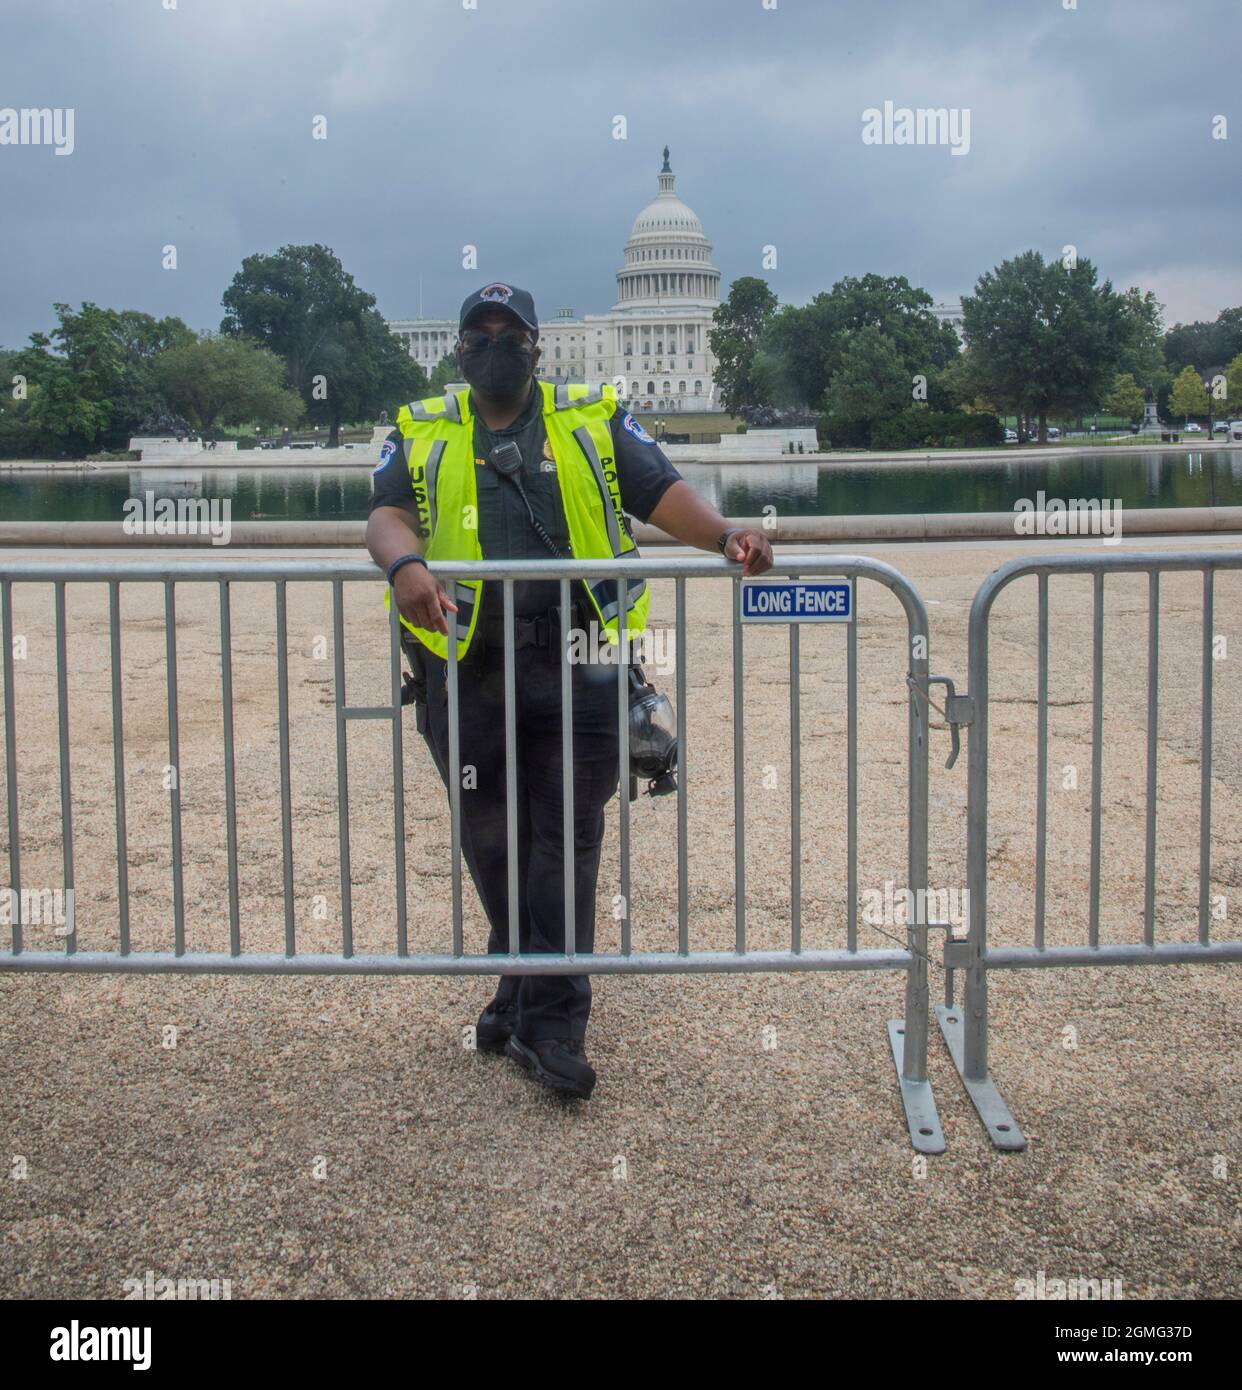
[653, 737]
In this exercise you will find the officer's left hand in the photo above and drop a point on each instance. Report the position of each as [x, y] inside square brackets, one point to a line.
[751, 548]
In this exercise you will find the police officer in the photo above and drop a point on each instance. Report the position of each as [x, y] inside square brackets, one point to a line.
[449, 486]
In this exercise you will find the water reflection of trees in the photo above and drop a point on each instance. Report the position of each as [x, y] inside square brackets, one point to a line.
[1212, 478]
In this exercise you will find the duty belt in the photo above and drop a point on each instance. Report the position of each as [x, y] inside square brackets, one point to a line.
[539, 630]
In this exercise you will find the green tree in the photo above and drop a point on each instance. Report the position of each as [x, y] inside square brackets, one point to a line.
[737, 327]
[363, 369]
[1141, 337]
[339, 356]
[19, 438]
[1125, 398]
[143, 339]
[73, 374]
[1233, 388]
[444, 372]
[803, 348]
[1189, 395]
[226, 381]
[1044, 338]
[1212, 343]
[89, 382]
[870, 383]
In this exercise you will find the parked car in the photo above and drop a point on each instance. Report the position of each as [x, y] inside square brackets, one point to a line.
[1235, 431]
[1194, 428]
[1221, 427]
[1053, 432]
[1011, 436]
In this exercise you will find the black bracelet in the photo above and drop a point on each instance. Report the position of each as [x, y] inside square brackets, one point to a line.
[404, 560]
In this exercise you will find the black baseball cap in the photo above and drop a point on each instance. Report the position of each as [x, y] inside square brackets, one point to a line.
[498, 295]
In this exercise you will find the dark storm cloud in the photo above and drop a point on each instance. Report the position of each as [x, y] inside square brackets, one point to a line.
[493, 127]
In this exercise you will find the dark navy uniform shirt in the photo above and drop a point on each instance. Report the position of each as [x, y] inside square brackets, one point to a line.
[644, 475]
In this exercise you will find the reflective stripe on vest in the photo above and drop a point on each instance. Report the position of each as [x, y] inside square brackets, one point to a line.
[432, 472]
[606, 593]
[564, 397]
[449, 409]
[611, 520]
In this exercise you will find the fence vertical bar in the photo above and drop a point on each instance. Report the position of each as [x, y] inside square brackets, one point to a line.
[965, 1029]
[567, 774]
[851, 776]
[1205, 763]
[739, 782]
[908, 1034]
[683, 872]
[342, 769]
[453, 677]
[10, 762]
[66, 790]
[623, 758]
[1153, 718]
[174, 762]
[1041, 795]
[230, 772]
[1097, 751]
[975, 999]
[511, 772]
[795, 788]
[914, 1063]
[398, 776]
[118, 764]
[286, 796]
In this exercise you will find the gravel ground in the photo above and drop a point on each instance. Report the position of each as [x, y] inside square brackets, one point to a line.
[334, 1138]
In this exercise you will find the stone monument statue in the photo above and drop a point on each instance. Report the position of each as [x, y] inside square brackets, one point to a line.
[160, 423]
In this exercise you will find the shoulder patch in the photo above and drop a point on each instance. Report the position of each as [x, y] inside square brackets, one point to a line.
[385, 454]
[636, 430]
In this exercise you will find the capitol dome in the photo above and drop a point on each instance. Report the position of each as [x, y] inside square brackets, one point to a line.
[667, 213]
[668, 256]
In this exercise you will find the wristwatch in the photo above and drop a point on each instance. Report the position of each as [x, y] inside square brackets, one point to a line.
[404, 560]
[724, 536]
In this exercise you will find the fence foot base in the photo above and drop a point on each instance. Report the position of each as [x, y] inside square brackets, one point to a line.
[916, 1096]
[1001, 1126]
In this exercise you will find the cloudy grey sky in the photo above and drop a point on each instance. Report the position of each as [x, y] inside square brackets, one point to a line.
[493, 126]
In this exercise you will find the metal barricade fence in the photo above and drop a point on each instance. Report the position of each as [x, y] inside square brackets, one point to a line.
[907, 1036]
[965, 1027]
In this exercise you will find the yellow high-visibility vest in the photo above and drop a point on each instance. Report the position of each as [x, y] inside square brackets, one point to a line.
[438, 440]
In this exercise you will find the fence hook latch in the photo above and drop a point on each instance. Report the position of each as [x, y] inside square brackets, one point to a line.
[957, 711]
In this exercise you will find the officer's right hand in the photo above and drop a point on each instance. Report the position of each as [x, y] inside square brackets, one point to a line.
[420, 599]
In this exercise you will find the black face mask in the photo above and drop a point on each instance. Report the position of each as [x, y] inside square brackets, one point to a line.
[499, 371]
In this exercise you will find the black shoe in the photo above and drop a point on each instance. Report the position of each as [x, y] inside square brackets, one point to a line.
[495, 1026]
[558, 1063]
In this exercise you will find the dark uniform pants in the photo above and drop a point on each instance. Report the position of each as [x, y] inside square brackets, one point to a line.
[549, 1006]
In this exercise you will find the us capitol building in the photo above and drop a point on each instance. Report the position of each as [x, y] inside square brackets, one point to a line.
[654, 339]
[655, 336]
